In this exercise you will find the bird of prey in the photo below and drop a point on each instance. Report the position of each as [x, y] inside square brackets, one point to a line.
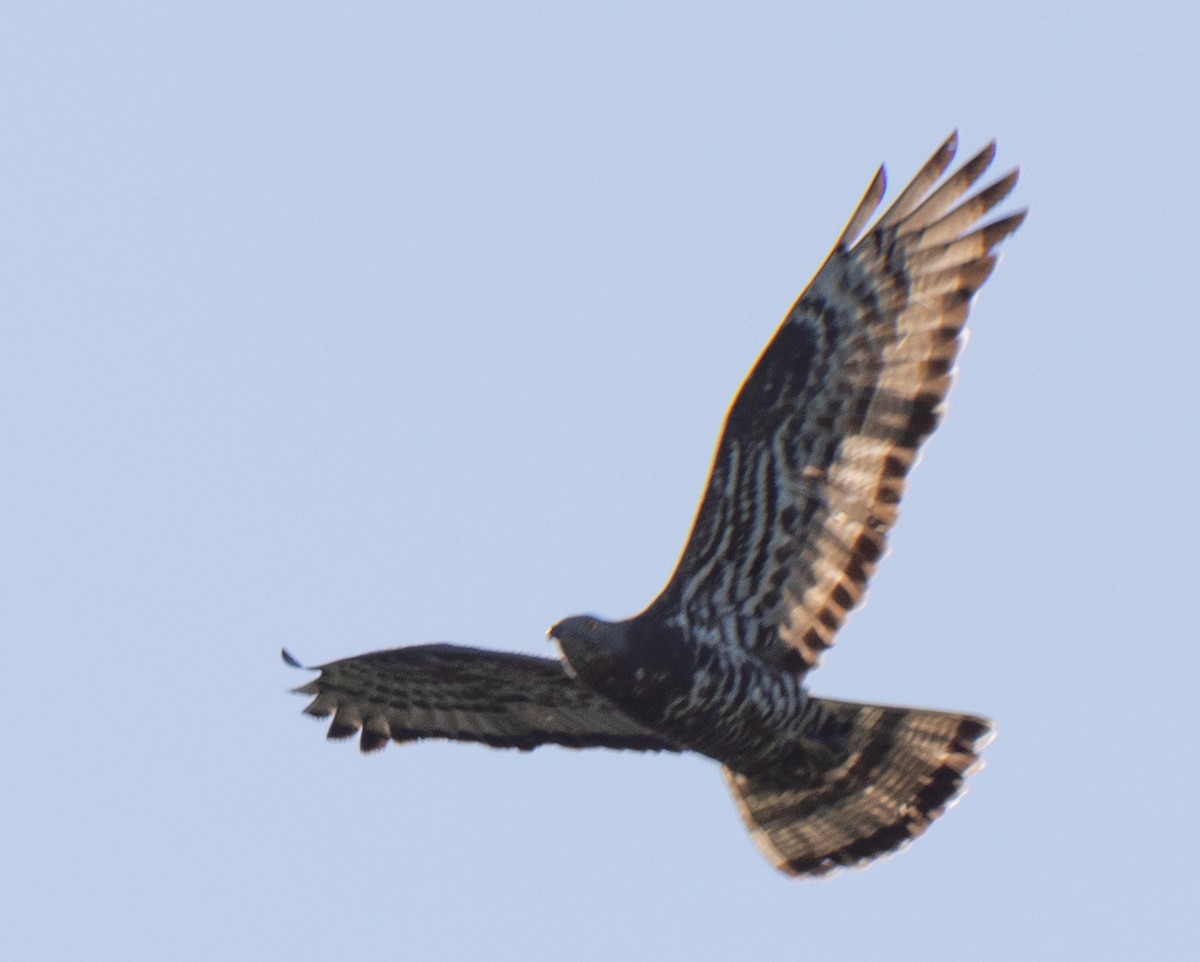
[805, 485]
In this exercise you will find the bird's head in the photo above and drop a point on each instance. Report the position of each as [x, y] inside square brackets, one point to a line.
[595, 650]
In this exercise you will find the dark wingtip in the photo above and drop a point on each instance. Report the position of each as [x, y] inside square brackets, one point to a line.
[371, 741]
[290, 659]
[339, 730]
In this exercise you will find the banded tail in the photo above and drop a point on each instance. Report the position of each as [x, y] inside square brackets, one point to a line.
[902, 769]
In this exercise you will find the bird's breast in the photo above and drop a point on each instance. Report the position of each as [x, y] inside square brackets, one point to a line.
[733, 707]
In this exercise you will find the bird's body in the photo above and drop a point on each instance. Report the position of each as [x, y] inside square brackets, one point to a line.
[805, 485]
[710, 698]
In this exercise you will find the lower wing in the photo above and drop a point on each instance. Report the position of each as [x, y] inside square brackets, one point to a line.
[467, 694]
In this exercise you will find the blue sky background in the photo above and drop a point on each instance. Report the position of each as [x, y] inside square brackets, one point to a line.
[345, 326]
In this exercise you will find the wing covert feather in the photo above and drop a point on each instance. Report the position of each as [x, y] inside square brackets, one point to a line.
[467, 694]
[811, 464]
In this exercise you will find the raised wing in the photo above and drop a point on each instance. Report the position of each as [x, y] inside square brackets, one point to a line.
[467, 694]
[810, 467]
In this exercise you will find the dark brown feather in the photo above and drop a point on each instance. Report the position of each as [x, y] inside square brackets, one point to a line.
[467, 694]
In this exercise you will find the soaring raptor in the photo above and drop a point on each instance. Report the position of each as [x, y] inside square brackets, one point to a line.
[805, 485]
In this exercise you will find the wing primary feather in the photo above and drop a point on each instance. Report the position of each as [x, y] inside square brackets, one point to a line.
[925, 178]
[866, 208]
[953, 188]
[969, 211]
[967, 248]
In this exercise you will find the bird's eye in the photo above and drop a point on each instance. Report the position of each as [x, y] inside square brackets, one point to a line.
[591, 624]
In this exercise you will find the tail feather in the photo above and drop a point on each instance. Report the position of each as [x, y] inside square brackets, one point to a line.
[901, 768]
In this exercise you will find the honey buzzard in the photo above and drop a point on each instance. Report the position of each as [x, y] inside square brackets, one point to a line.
[805, 485]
